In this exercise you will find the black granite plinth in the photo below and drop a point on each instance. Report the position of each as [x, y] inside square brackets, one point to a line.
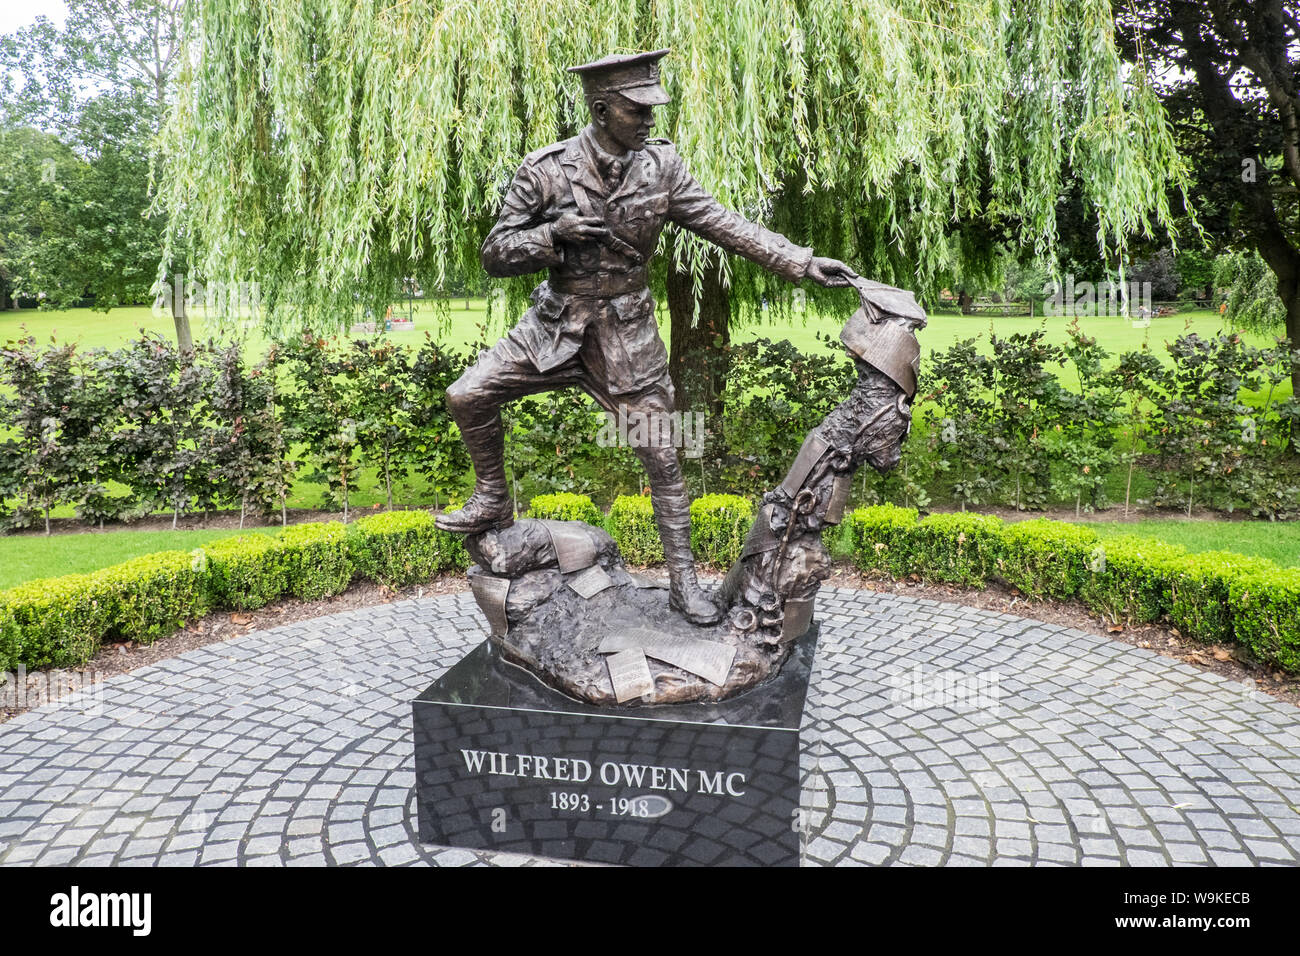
[503, 762]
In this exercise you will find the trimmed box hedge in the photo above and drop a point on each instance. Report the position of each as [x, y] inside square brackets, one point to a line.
[566, 506]
[399, 548]
[631, 523]
[1215, 597]
[959, 548]
[1131, 579]
[881, 538]
[155, 594]
[317, 561]
[1047, 558]
[719, 526]
[247, 572]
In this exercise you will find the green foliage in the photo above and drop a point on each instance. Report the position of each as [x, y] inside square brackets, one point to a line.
[55, 622]
[958, 548]
[881, 538]
[631, 523]
[317, 560]
[719, 525]
[1265, 604]
[566, 506]
[775, 394]
[246, 572]
[1048, 558]
[1130, 578]
[1200, 589]
[155, 594]
[867, 127]
[1253, 302]
[401, 548]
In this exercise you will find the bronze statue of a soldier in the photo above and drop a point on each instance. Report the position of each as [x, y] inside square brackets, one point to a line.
[590, 210]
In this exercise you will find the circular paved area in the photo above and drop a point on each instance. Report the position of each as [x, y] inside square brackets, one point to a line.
[934, 734]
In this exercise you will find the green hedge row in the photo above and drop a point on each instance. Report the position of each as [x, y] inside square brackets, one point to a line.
[61, 622]
[1213, 597]
[719, 524]
[1216, 597]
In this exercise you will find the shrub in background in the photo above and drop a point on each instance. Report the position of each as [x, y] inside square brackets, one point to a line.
[566, 506]
[155, 594]
[631, 524]
[317, 562]
[960, 548]
[399, 548]
[719, 524]
[246, 572]
[880, 537]
[1043, 557]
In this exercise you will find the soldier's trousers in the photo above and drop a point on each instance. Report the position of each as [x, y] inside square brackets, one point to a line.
[506, 372]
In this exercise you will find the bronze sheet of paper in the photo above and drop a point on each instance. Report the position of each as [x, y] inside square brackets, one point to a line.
[642, 581]
[707, 659]
[888, 347]
[490, 593]
[798, 617]
[626, 637]
[814, 446]
[574, 549]
[630, 674]
[839, 498]
[590, 581]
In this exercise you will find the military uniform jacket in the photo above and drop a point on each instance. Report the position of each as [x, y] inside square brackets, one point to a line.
[602, 285]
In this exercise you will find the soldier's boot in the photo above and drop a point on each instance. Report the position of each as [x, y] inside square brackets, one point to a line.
[489, 507]
[673, 515]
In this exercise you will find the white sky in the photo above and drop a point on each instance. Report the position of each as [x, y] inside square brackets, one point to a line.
[19, 13]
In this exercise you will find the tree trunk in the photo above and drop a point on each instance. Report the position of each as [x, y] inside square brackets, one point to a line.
[696, 360]
[184, 337]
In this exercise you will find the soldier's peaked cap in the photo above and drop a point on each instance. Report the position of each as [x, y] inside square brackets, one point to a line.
[634, 75]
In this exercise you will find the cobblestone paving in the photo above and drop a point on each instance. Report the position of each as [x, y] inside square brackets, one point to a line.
[934, 734]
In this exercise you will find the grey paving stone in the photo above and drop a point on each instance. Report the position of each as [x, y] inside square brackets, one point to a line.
[1097, 754]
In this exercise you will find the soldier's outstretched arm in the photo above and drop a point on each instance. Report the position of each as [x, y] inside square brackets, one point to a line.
[523, 240]
[694, 209]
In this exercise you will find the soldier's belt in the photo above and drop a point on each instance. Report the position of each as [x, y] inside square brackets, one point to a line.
[607, 285]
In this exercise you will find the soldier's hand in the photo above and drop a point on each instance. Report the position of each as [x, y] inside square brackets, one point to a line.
[830, 273]
[572, 227]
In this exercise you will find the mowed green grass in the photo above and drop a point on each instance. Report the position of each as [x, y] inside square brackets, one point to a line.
[1279, 541]
[27, 557]
[465, 316]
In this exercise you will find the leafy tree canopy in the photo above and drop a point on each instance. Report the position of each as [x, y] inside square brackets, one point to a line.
[329, 148]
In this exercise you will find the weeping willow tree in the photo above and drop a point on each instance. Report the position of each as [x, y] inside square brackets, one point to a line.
[333, 149]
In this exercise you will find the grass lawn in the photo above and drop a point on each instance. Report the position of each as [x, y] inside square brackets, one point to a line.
[26, 557]
[1279, 541]
[108, 329]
